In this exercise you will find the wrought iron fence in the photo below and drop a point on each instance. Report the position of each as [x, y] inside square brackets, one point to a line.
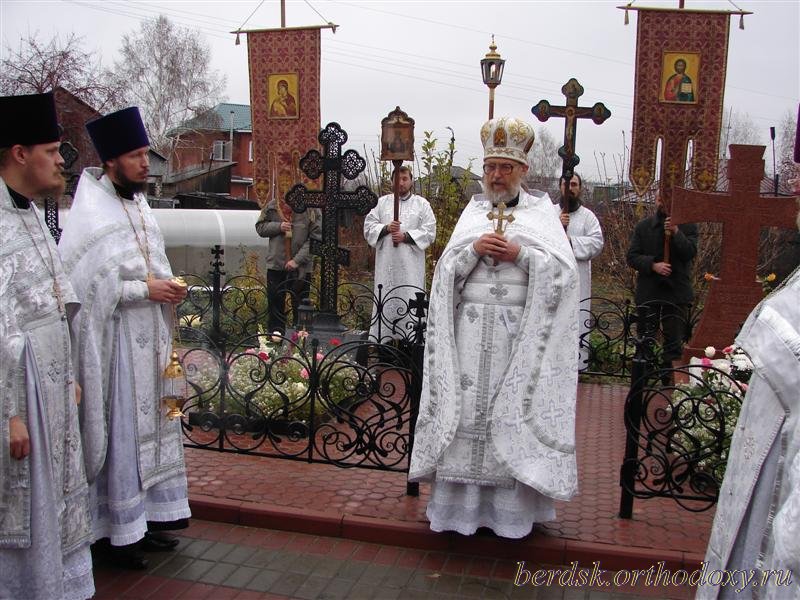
[605, 340]
[679, 423]
[347, 398]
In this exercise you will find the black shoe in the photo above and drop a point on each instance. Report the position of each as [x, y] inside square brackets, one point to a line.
[156, 541]
[127, 557]
[167, 525]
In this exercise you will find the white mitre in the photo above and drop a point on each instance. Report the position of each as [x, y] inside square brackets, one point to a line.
[507, 137]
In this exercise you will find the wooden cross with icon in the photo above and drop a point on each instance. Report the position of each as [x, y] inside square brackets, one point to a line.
[570, 112]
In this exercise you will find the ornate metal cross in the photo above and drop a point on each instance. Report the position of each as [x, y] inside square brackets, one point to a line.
[330, 200]
[570, 112]
[418, 307]
[501, 217]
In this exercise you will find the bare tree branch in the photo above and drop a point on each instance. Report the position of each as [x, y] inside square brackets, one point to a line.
[36, 67]
[164, 70]
[543, 160]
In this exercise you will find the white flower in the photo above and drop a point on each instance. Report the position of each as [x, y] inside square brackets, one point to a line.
[710, 351]
[191, 321]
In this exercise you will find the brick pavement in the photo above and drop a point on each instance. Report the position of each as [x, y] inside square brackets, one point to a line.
[220, 561]
[371, 506]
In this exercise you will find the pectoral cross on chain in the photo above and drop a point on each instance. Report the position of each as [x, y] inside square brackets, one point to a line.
[501, 217]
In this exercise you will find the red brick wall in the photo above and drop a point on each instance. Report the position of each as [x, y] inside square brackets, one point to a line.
[194, 150]
[241, 147]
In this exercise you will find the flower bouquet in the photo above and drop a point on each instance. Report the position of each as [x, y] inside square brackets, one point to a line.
[705, 409]
[282, 380]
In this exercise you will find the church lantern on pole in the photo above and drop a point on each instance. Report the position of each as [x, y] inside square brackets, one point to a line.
[397, 145]
[492, 72]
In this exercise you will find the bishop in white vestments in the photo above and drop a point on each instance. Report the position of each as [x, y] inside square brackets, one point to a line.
[496, 428]
[45, 527]
[399, 256]
[586, 240]
[114, 254]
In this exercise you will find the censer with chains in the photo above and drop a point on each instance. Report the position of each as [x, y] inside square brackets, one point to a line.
[175, 384]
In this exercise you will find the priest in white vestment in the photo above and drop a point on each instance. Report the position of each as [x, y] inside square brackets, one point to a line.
[496, 428]
[45, 527]
[757, 523]
[114, 254]
[399, 257]
[586, 239]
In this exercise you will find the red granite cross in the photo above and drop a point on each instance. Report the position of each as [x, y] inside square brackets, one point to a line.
[742, 212]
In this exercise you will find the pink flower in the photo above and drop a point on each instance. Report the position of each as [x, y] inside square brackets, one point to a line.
[250, 351]
[335, 342]
[304, 373]
[705, 361]
[728, 349]
[319, 356]
[295, 337]
[744, 386]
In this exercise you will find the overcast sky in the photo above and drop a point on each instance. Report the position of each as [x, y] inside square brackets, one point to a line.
[424, 56]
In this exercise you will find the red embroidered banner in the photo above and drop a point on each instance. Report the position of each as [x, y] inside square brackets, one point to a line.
[681, 58]
[284, 98]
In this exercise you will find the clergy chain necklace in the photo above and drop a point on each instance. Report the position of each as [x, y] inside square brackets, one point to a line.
[51, 268]
[144, 248]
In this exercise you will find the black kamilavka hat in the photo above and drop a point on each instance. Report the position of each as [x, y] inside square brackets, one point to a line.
[118, 133]
[28, 120]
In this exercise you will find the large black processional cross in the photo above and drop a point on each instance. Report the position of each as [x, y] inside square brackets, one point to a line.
[330, 200]
[570, 112]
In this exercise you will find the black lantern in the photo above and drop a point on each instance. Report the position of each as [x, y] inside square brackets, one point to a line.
[305, 315]
[492, 72]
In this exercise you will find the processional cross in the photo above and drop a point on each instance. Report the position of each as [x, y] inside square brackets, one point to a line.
[570, 112]
[331, 199]
[742, 212]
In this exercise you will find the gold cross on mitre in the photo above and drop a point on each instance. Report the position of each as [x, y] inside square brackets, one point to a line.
[501, 217]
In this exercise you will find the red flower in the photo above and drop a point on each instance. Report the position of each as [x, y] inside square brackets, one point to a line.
[263, 356]
[335, 342]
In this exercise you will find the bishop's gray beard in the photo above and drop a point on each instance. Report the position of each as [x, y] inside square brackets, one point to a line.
[502, 196]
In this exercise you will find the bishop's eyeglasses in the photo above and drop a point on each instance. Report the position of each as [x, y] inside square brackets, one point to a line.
[504, 168]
